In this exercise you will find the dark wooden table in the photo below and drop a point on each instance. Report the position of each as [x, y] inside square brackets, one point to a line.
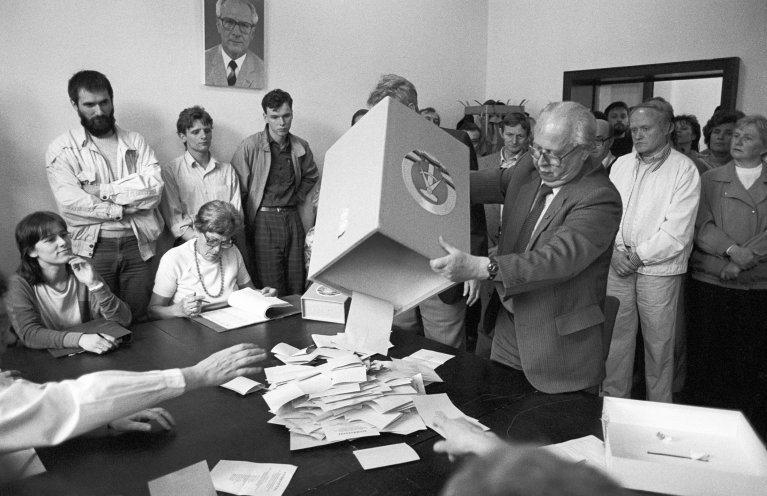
[215, 423]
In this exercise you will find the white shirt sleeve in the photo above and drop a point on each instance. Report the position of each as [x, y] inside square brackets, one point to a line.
[33, 415]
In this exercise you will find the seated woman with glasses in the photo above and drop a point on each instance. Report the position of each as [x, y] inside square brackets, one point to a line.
[205, 269]
[54, 291]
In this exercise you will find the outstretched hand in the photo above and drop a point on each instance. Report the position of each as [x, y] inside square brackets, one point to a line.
[463, 438]
[459, 266]
[224, 366]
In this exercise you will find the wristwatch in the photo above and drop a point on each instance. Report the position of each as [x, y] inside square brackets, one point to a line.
[492, 269]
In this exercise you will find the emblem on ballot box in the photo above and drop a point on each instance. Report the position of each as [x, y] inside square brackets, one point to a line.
[326, 291]
[428, 182]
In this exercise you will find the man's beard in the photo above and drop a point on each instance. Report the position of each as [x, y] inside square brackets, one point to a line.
[619, 128]
[100, 125]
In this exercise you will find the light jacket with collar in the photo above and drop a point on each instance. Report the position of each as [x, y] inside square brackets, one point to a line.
[728, 215]
[665, 204]
[73, 160]
[252, 161]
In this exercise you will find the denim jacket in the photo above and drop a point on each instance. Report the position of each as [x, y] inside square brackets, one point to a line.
[73, 161]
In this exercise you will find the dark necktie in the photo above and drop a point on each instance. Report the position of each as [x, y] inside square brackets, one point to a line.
[532, 218]
[231, 78]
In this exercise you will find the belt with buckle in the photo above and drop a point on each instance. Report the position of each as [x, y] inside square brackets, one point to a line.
[277, 209]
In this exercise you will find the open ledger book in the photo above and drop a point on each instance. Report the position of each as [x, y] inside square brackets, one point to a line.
[246, 307]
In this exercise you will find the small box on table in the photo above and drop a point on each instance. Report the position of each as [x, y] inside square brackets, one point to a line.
[684, 450]
[325, 304]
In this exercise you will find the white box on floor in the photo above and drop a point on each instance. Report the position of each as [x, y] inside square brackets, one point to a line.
[661, 447]
[391, 186]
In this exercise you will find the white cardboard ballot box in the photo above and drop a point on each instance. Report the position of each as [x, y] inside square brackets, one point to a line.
[685, 450]
[391, 186]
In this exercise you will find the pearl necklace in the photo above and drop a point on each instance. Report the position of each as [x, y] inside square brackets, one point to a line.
[199, 274]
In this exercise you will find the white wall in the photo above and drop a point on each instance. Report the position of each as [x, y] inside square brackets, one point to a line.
[532, 42]
[328, 54]
[698, 97]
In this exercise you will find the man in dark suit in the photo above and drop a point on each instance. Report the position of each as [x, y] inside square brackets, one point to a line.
[442, 316]
[515, 132]
[560, 219]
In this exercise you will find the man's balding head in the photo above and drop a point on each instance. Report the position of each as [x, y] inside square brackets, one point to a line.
[397, 88]
[564, 137]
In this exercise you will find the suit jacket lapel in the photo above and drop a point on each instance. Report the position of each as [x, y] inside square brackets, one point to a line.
[549, 214]
[516, 210]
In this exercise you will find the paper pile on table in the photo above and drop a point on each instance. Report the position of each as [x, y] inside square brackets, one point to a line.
[348, 396]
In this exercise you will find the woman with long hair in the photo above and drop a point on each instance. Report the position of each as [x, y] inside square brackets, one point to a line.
[54, 291]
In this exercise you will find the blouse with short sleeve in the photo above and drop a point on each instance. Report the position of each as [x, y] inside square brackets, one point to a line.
[177, 275]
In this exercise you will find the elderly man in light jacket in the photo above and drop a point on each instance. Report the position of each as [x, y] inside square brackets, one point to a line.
[660, 189]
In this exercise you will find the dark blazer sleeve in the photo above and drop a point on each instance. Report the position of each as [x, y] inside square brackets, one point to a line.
[587, 221]
[477, 224]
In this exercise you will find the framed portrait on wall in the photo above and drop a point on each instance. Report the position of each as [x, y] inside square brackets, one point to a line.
[234, 43]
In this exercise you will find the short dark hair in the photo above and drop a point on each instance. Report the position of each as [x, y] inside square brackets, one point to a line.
[618, 104]
[187, 117]
[275, 98]
[31, 229]
[218, 217]
[92, 81]
[515, 119]
[358, 114]
[468, 126]
[694, 124]
[721, 116]
[599, 115]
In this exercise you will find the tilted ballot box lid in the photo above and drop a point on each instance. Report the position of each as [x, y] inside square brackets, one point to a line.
[391, 186]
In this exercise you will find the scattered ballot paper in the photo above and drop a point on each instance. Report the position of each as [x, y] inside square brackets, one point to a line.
[19, 465]
[345, 398]
[428, 405]
[588, 449]
[252, 479]
[193, 480]
[383, 456]
[369, 324]
[431, 359]
[243, 385]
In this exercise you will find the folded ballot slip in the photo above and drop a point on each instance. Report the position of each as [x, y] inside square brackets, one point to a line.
[243, 385]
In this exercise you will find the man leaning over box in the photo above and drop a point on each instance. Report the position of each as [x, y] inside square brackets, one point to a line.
[559, 224]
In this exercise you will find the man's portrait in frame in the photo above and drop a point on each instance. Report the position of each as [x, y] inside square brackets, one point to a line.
[234, 43]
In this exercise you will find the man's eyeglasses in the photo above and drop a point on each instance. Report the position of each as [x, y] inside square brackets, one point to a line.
[553, 160]
[601, 141]
[229, 24]
[216, 242]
